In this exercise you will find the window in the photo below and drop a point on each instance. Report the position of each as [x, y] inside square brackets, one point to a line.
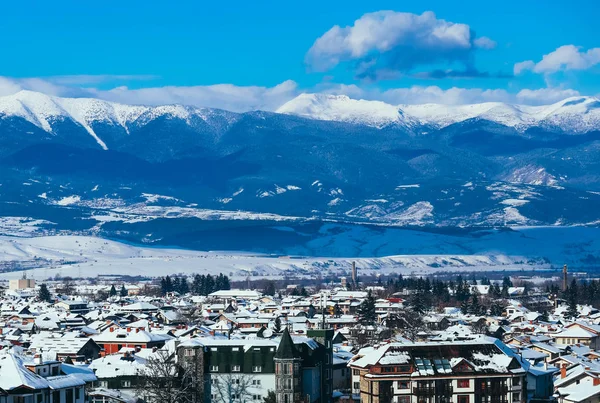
[403, 399]
[54, 370]
[78, 393]
[256, 349]
[69, 396]
[403, 385]
[356, 385]
[189, 352]
[235, 349]
[235, 368]
[55, 396]
[125, 384]
[214, 368]
[355, 372]
[257, 368]
[256, 397]
[103, 384]
[516, 381]
[462, 399]
[214, 381]
[516, 397]
[19, 399]
[463, 383]
[256, 382]
[213, 349]
[40, 398]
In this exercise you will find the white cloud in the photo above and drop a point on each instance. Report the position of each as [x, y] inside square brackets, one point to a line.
[247, 98]
[567, 57]
[389, 40]
[453, 96]
[223, 96]
[485, 43]
[544, 95]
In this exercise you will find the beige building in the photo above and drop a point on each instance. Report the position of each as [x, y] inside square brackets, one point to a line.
[21, 284]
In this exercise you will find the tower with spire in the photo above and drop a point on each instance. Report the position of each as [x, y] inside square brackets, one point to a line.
[288, 371]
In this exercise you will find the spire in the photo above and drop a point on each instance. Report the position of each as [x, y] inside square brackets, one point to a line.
[286, 349]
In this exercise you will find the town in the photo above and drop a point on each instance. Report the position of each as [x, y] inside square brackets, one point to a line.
[400, 340]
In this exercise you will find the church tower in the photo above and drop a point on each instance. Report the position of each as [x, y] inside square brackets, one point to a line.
[288, 371]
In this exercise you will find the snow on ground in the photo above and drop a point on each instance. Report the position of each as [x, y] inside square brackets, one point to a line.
[91, 256]
[69, 200]
[21, 226]
[153, 198]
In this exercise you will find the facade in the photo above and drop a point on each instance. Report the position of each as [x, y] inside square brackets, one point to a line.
[24, 380]
[475, 371]
[21, 284]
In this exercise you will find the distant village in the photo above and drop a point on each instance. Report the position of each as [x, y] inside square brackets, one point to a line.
[203, 339]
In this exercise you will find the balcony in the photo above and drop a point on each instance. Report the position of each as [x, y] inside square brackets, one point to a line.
[424, 391]
[494, 389]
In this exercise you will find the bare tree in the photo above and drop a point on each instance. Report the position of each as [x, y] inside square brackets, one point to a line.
[167, 378]
[233, 388]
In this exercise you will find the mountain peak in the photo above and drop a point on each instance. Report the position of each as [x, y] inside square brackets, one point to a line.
[342, 108]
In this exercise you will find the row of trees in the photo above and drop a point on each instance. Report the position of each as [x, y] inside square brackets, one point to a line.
[200, 285]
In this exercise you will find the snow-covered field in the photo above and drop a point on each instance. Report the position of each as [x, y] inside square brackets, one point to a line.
[83, 256]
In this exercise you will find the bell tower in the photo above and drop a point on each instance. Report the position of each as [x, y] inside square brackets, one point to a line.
[288, 371]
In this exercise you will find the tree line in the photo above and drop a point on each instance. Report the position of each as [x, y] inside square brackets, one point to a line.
[200, 285]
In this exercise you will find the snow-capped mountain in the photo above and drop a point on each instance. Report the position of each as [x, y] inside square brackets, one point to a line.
[44, 111]
[576, 115]
[159, 174]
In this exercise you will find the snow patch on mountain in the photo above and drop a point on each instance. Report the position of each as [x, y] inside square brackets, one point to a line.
[531, 175]
[576, 115]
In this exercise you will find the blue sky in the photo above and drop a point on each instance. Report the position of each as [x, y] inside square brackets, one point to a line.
[89, 49]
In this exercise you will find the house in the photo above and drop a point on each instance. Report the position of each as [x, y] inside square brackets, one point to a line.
[113, 340]
[463, 372]
[26, 379]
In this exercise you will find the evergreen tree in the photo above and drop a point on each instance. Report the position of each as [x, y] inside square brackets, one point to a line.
[44, 294]
[474, 307]
[366, 310]
[269, 288]
[270, 398]
[123, 292]
[544, 316]
[496, 309]
[572, 295]
[337, 312]
[464, 307]
[277, 325]
[163, 286]
[311, 312]
[176, 284]
[184, 287]
[168, 285]
[209, 285]
[113, 291]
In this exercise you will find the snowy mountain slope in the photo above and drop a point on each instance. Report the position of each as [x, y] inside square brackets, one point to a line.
[577, 114]
[44, 111]
[375, 250]
[344, 109]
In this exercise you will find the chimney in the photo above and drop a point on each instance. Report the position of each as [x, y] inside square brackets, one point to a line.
[128, 329]
[112, 329]
[37, 359]
[596, 381]
[563, 372]
[154, 349]
[137, 329]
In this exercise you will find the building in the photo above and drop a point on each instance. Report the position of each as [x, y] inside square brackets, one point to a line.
[482, 370]
[297, 369]
[31, 379]
[22, 283]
